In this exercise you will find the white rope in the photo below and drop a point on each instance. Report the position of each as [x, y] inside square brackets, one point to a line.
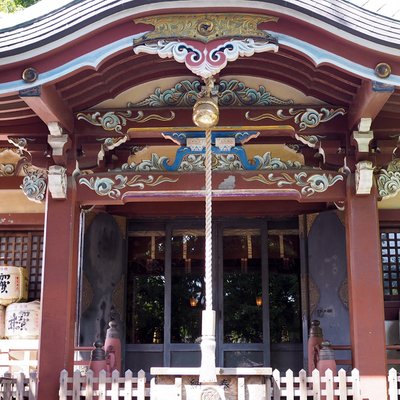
[208, 343]
[208, 250]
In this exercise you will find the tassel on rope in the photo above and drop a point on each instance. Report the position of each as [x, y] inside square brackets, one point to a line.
[207, 369]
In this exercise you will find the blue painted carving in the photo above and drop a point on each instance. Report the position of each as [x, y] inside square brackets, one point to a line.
[184, 150]
[233, 93]
[231, 155]
[240, 137]
[183, 94]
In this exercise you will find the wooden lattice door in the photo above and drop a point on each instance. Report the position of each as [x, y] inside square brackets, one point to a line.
[24, 249]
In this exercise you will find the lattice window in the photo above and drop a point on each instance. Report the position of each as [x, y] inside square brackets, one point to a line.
[390, 243]
[24, 249]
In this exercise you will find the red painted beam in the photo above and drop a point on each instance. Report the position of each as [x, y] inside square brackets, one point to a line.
[370, 99]
[124, 187]
[21, 220]
[196, 209]
[49, 106]
[10, 182]
[58, 301]
[178, 119]
[366, 308]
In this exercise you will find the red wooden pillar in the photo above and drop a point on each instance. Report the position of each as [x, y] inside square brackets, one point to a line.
[59, 279]
[366, 292]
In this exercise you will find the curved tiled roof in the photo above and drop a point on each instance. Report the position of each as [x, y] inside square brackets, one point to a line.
[387, 8]
[82, 51]
[340, 16]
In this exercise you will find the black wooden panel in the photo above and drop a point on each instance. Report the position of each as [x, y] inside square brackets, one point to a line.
[103, 278]
[328, 277]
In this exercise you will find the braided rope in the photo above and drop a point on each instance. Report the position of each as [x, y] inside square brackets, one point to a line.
[208, 343]
[208, 217]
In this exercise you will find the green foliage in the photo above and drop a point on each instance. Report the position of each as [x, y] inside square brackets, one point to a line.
[186, 320]
[242, 317]
[10, 6]
[149, 315]
[285, 318]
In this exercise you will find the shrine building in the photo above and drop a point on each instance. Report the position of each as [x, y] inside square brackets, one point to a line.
[212, 176]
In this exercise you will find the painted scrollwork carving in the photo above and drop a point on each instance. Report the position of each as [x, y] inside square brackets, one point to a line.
[206, 61]
[304, 118]
[116, 120]
[389, 180]
[109, 121]
[310, 184]
[19, 143]
[34, 184]
[236, 93]
[309, 140]
[231, 93]
[112, 142]
[7, 169]
[14, 160]
[183, 94]
[204, 27]
[205, 43]
[104, 186]
[221, 162]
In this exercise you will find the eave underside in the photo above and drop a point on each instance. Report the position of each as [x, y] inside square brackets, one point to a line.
[29, 113]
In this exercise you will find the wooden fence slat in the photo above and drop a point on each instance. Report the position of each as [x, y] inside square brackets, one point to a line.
[268, 387]
[329, 384]
[289, 385]
[141, 385]
[355, 377]
[76, 385]
[342, 384]
[33, 385]
[128, 385]
[393, 384]
[7, 390]
[340, 387]
[89, 385]
[152, 387]
[303, 384]
[316, 385]
[115, 385]
[276, 381]
[102, 385]
[20, 386]
[241, 388]
[178, 386]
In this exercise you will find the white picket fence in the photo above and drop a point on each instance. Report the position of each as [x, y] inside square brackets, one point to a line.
[277, 387]
[272, 387]
[18, 387]
[18, 355]
[103, 387]
[316, 386]
[393, 385]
